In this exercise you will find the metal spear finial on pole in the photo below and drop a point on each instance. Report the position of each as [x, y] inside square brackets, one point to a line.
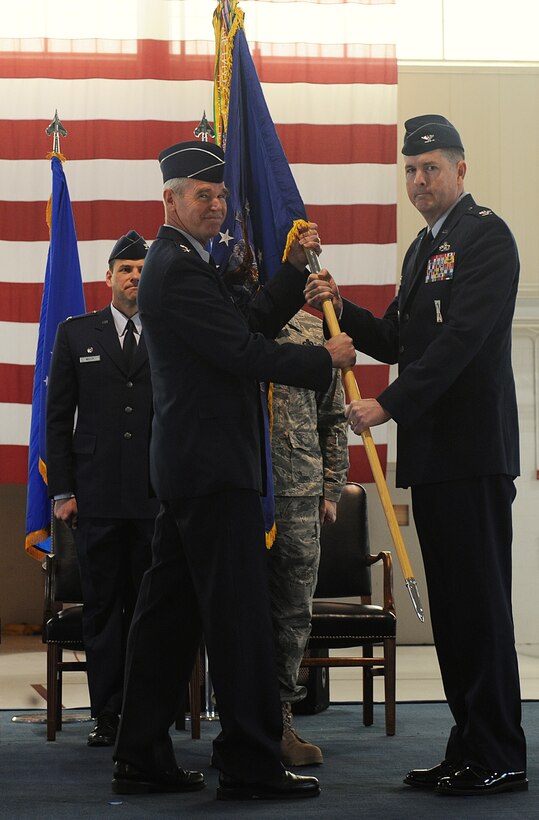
[204, 129]
[57, 130]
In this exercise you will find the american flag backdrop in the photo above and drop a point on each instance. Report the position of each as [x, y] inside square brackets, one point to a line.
[130, 78]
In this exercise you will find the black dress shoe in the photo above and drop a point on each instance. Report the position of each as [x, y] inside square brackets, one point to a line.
[475, 780]
[288, 786]
[129, 780]
[104, 731]
[428, 778]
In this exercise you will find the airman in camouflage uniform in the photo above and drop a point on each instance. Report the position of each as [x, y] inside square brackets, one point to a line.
[310, 464]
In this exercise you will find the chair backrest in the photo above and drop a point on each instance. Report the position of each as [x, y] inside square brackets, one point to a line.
[344, 547]
[66, 574]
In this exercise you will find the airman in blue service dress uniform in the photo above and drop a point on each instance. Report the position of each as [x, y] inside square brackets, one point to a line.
[209, 557]
[99, 410]
[454, 402]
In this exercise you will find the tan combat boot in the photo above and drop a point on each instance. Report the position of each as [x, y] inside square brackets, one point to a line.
[294, 750]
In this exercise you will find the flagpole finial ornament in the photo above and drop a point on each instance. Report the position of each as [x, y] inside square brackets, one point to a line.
[204, 129]
[193, 159]
[57, 130]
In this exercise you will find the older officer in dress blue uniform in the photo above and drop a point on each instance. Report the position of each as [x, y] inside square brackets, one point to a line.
[209, 556]
[454, 402]
[99, 405]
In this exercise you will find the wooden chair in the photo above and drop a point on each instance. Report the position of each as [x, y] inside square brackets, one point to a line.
[345, 572]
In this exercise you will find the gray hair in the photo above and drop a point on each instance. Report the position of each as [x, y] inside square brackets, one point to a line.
[177, 185]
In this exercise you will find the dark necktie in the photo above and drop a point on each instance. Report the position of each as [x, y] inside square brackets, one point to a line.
[423, 246]
[130, 343]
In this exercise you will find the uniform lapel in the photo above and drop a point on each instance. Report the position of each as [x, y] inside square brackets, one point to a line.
[466, 204]
[414, 267]
[108, 338]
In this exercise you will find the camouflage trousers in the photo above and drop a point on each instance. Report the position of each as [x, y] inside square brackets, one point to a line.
[293, 566]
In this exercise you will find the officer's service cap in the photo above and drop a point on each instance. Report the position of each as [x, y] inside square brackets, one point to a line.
[194, 159]
[429, 132]
[130, 246]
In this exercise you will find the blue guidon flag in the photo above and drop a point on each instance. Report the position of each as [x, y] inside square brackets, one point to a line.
[63, 296]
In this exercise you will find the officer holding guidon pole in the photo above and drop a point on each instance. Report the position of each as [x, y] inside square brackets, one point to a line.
[454, 401]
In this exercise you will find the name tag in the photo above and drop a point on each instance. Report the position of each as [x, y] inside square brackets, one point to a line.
[440, 267]
[89, 359]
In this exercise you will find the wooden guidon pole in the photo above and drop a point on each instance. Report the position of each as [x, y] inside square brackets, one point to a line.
[353, 393]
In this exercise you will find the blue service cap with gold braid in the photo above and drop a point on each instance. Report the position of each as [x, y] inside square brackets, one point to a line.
[130, 246]
[429, 132]
[197, 160]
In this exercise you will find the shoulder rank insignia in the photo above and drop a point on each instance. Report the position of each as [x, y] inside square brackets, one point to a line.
[185, 248]
[485, 212]
[445, 246]
[81, 316]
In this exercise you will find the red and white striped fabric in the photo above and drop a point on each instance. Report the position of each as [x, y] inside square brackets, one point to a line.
[126, 84]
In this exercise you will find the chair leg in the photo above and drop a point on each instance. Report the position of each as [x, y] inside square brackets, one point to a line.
[390, 669]
[52, 692]
[368, 689]
[194, 692]
[59, 682]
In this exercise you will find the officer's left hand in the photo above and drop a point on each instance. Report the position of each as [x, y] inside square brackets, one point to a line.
[308, 239]
[365, 413]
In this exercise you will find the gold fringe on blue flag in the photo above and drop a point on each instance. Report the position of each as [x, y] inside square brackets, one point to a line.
[263, 197]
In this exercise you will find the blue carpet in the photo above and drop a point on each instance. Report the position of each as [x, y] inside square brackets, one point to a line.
[361, 776]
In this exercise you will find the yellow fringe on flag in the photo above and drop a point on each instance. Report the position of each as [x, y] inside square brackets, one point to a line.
[42, 467]
[293, 233]
[227, 19]
[271, 536]
[48, 209]
[35, 538]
